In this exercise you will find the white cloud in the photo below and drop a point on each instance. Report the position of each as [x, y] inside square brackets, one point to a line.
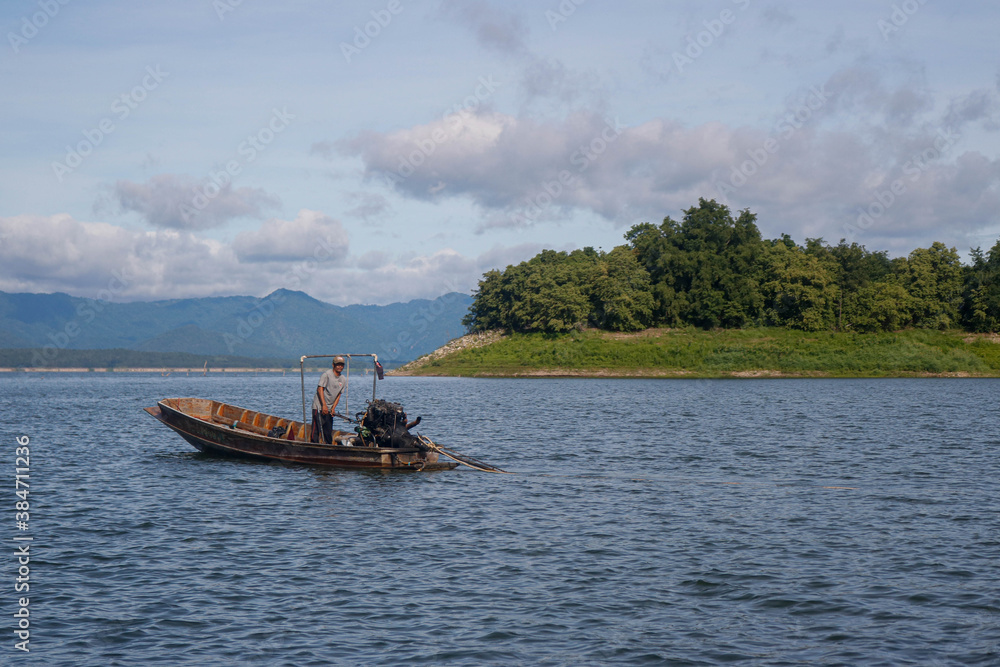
[92, 259]
[377, 277]
[535, 93]
[518, 165]
[293, 240]
[58, 253]
[834, 149]
[175, 201]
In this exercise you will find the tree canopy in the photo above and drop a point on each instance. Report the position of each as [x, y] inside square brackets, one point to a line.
[712, 269]
[556, 291]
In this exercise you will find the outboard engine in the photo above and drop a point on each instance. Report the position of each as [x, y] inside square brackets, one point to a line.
[384, 425]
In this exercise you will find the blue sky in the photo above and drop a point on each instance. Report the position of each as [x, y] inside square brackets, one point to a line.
[372, 152]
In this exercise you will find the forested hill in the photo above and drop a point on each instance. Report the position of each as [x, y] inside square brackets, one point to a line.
[713, 270]
[282, 325]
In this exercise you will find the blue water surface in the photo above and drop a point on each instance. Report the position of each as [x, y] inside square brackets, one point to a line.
[764, 522]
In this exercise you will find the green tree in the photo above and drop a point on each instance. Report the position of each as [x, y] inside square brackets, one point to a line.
[549, 305]
[655, 253]
[934, 280]
[704, 269]
[713, 270]
[981, 295]
[856, 268]
[491, 304]
[798, 289]
[621, 297]
[551, 292]
[883, 306]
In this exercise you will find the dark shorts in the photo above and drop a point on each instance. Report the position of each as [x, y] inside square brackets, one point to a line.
[322, 423]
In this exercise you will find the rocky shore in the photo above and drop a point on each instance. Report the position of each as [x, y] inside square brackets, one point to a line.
[479, 339]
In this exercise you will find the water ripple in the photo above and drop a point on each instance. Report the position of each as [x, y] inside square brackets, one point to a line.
[692, 523]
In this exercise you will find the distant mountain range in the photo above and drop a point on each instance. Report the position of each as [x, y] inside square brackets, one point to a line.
[284, 324]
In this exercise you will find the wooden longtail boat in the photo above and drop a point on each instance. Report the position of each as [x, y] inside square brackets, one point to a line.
[220, 428]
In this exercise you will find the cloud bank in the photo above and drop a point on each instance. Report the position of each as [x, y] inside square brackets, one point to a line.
[173, 201]
[836, 155]
[310, 253]
[293, 240]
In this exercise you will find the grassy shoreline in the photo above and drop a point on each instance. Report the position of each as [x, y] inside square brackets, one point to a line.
[694, 353]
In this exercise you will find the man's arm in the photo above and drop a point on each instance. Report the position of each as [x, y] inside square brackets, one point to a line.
[322, 399]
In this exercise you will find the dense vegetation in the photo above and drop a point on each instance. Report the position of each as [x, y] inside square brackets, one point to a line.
[711, 270]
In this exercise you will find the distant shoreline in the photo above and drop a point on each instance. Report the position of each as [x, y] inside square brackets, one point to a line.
[196, 371]
[551, 373]
[168, 371]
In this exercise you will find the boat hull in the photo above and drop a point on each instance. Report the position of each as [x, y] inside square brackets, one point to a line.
[218, 428]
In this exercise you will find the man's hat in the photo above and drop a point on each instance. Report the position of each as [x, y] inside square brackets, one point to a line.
[338, 360]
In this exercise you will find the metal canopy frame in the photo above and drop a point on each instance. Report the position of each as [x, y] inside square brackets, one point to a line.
[347, 368]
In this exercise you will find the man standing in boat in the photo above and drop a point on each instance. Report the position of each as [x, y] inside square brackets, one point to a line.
[331, 386]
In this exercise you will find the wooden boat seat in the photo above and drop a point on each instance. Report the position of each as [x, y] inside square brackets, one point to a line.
[239, 423]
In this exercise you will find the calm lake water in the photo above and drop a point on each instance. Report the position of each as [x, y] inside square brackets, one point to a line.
[765, 522]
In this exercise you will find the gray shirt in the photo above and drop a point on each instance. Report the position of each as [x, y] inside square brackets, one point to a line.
[332, 387]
